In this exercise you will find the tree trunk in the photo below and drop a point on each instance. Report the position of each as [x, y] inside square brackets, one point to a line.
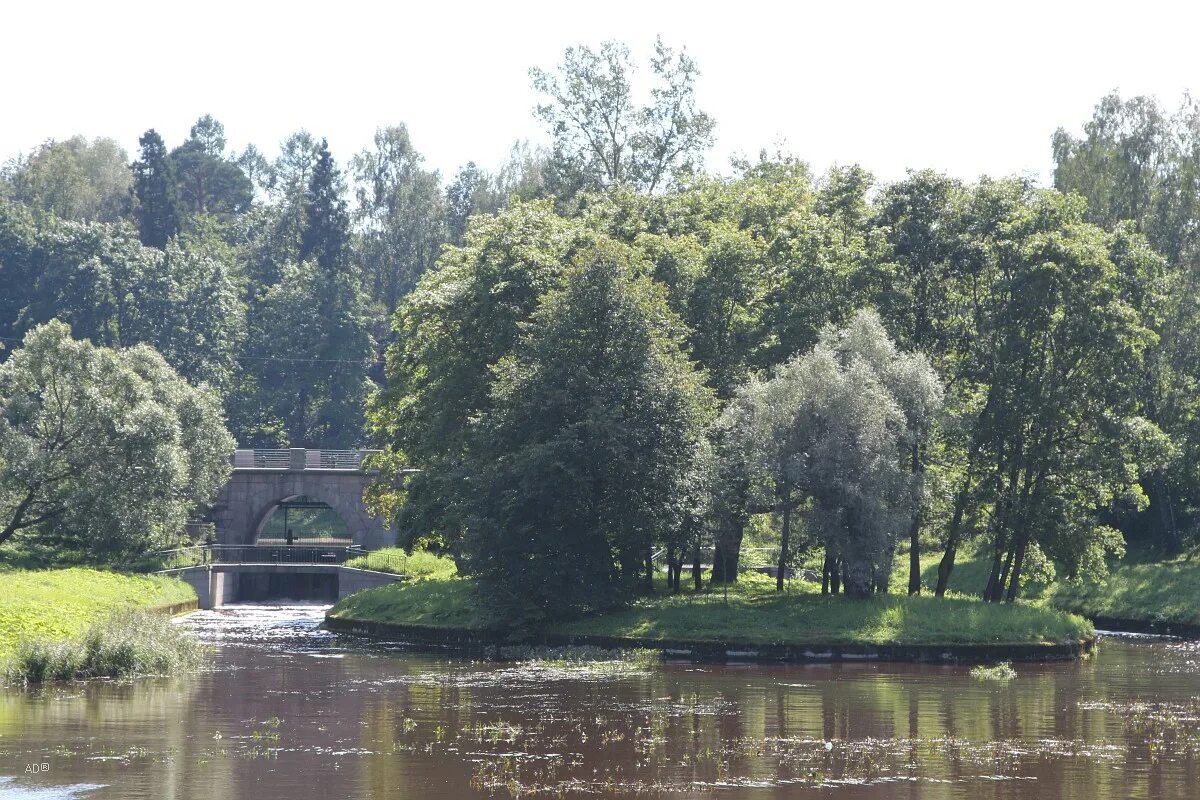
[674, 567]
[857, 584]
[17, 520]
[826, 573]
[649, 569]
[994, 573]
[998, 589]
[946, 565]
[1160, 501]
[835, 577]
[671, 567]
[882, 579]
[785, 540]
[914, 531]
[697, 572]
[727, 550]
[1014, 581]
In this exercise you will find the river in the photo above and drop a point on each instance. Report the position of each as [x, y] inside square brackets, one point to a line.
[291, 711]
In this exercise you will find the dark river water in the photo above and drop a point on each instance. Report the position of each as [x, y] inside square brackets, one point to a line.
[290, 711]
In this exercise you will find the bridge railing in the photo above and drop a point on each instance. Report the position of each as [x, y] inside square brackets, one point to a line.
[300, 458]
[261, 554]
[262, 459]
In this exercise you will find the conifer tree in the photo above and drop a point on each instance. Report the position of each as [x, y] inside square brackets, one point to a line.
[154, 186]
[327, 227]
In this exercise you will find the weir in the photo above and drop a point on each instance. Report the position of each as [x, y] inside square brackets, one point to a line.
[219, 584]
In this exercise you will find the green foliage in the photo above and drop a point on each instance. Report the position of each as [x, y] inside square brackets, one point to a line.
[601, 138]
[418, 565]
[98, 278]
[326, 234]
[590, 453]
[830, 429]
[122, 646]
[207, 181]
[107, 451]
[400, 214]
[309, 343]
[464, 316]
[75, 179]
[157, 210]
[62, 603]
[1139, 169]
[1045, 386]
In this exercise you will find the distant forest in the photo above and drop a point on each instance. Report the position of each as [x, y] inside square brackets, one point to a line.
[1023, 359]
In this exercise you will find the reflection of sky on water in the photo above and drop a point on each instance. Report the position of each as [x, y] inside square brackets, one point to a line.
[11, 790]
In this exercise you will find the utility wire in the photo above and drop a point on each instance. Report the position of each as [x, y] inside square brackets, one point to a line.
[283, 359]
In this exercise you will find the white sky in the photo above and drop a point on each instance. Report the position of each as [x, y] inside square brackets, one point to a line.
[966, 87]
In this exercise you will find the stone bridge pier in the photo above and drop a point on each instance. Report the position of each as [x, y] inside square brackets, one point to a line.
[262, 479]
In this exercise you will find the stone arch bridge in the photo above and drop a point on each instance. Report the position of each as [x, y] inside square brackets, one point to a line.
[243, 568]
[262, 480]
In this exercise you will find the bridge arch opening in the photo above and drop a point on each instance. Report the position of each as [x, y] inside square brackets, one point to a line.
[302, 521]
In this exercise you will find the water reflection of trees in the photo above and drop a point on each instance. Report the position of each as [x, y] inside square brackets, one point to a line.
[415, 726]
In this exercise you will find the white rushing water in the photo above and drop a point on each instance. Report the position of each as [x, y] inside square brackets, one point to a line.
[298, 624]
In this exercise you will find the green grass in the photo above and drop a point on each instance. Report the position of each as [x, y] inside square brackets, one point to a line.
[1163, 591]
[1137, 588]
[419, 565]
[435, 603]
[124, 645]
[61, 603]
[753, 613]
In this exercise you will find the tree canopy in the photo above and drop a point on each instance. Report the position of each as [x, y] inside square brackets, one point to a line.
[102, 451]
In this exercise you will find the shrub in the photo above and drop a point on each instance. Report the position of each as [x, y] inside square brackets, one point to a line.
[124, 645]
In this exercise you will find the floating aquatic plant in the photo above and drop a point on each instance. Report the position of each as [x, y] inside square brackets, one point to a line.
[1000, 672]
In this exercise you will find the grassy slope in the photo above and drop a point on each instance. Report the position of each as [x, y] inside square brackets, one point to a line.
[417, 565]
[1137, 588]
[1152, 591]
[754, 613]
[64, 602]
[436, 603]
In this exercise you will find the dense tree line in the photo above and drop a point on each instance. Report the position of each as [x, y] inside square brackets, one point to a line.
[1034, 324]
[600, 356]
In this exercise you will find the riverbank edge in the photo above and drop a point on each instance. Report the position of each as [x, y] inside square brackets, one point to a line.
[1157, 627]
[171, 608]
[483, 642]
[176, 609]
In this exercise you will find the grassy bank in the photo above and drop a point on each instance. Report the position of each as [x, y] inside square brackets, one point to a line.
[1159, 591]
[1138, 589]
[753, 613]
[418, 565]
[61, 603]
[126, 644]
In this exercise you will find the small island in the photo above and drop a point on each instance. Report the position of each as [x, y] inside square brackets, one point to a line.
[746, 621]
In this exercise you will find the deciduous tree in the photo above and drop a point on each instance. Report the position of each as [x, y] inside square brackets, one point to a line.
[103, 451]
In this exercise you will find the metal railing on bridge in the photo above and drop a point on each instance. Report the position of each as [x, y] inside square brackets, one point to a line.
[260, 554]
[300, 458]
